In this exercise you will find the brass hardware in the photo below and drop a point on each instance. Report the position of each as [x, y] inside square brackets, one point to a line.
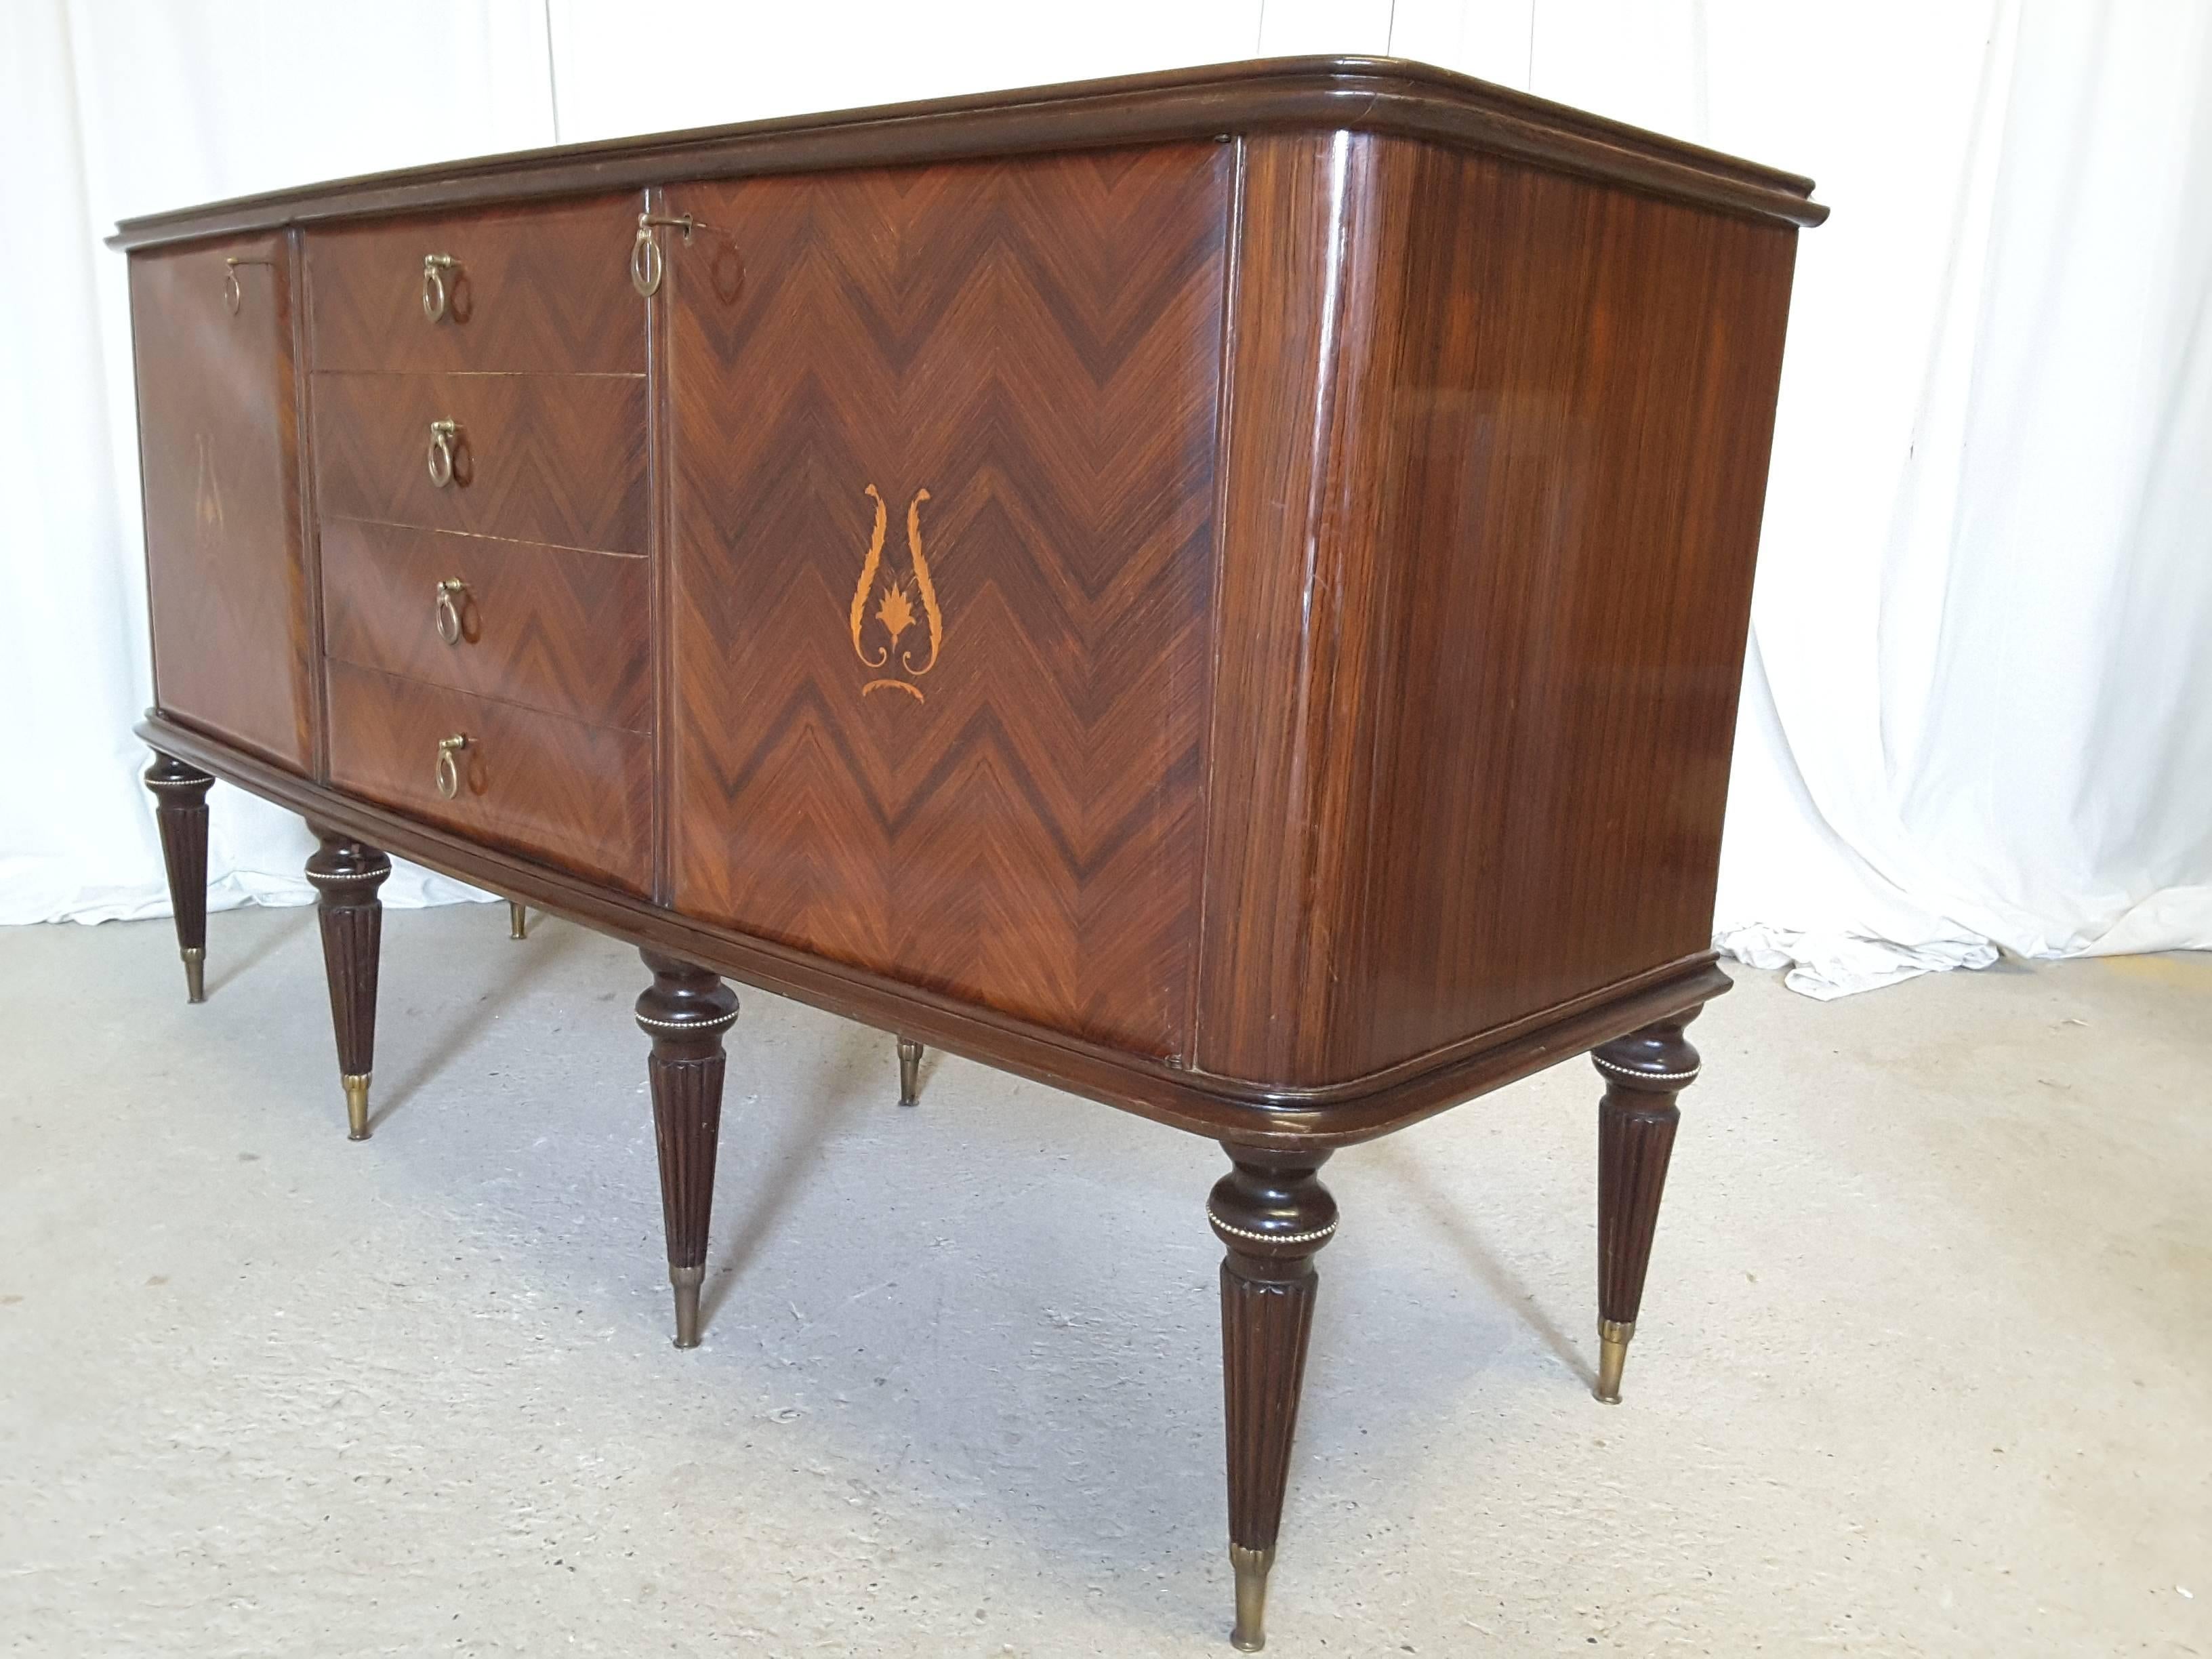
[1613, 1336]
[233, 296]
[909, 1053]
[442, 435]
[645, 263]
[434, 267]
[194, 957]
[356, 1094]
[450, 592]
[449, 768]
[685, 1281]
[517, 919]
[1251, 1567]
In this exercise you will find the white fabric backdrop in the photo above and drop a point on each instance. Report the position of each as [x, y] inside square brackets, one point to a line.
[1974, 716]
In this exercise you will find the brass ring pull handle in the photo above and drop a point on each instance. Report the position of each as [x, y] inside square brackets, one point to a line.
[442, 434]
[645, 261]
[451, 592]
[233, 296]
[449, 765]
[645, 264]
[434, 267]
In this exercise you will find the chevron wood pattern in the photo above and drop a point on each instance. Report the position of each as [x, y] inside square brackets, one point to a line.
[549, 627]
[540, 457]
[531, 288]
[1221, 592]
[577, 796]
[228, 581]
[1021, 360]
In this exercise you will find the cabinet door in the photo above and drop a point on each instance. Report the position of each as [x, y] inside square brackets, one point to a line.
[940, 583]
[218, 438]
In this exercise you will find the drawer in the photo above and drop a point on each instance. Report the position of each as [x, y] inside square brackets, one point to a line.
[549, 627]
[534, 287]
[536, 458]
[574, 795]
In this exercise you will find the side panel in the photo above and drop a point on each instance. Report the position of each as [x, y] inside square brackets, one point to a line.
[943, 446]
[1543, 439]
[218, 435]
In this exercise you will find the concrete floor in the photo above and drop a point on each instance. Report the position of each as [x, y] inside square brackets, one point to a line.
[1923, 1366]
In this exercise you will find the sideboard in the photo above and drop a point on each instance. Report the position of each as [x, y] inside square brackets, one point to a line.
[1223, 592]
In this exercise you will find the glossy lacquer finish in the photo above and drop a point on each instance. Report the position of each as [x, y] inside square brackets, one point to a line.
[542, 289]
[1221, 592]
[943, 446]
[553, 628]
[1498, 461]
[228, 586]
[557, 458]
[569, 795]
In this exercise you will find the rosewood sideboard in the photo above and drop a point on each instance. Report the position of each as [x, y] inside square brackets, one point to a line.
[1223, 592]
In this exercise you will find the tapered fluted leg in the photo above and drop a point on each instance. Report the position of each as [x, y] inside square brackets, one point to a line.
[909, 1071]
[1643, 1073]
[346, 874]
[517, 919]
[181, 810]
[685, 1011]
[1272, 1215]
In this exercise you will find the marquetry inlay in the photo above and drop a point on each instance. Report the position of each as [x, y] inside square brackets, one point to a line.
[894, 613]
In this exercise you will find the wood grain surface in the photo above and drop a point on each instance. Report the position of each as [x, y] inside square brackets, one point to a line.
[1252, 1114]
[976, 767]
[1363, 95]
[543, 457]
[1498, 455]
[549, 627]
[574, 795]
[543, 288]
[227, 583]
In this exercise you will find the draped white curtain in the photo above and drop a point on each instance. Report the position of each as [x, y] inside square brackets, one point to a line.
[1973, 715]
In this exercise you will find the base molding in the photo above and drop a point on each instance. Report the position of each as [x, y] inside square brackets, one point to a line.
[1252, 1113]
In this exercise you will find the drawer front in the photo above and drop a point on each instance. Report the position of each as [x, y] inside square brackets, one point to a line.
[536, 287]
[558, 459]
[574, 795]
[549, 627]
[218, 439]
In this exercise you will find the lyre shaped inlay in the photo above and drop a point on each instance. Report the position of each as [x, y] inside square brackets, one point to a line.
[894, 611]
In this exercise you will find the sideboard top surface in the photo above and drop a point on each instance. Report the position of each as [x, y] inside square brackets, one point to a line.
[1369, 94]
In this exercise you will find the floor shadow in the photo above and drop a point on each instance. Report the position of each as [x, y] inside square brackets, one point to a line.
[265, 941]
[1415, 1182]
[842, 1091]
[549, 944]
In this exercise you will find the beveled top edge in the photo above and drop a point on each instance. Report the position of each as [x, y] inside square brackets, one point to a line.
[1377, 94]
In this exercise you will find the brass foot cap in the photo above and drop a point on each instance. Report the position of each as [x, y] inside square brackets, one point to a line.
[1613, 1336]
[685, 1280]
[1251, 1633]
[518, 921]
[195, 972]
[356, 1094]
[909, 1053]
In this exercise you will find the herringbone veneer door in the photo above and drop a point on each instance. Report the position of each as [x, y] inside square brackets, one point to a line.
[227, 580]
[940, 584]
